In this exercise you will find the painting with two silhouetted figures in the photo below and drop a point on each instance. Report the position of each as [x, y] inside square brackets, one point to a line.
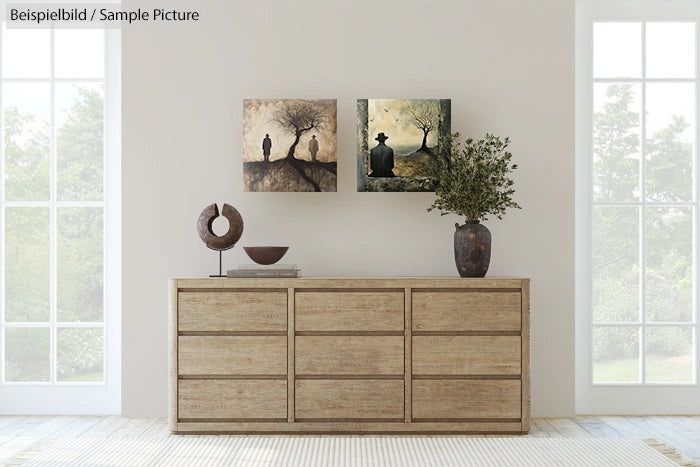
[290, 145]
[400, 141]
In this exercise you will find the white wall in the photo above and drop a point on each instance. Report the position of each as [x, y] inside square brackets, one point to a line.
[508, 67]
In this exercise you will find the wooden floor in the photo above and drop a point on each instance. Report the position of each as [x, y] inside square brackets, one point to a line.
[18, 433]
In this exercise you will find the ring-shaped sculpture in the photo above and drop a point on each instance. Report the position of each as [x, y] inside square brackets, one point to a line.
[223, 242]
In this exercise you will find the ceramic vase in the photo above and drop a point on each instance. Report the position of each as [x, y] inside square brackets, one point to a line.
[472, 249]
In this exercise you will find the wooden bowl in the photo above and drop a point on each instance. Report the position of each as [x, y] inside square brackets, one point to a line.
[265, 254]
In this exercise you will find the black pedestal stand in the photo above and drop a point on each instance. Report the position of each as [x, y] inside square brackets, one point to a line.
[220, 271]
[221, 274]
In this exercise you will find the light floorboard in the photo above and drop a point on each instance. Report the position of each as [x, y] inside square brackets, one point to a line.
[597, 428]
[106, 427]
[18, 433]
[568, 428]
[45, 427]
[134, 427]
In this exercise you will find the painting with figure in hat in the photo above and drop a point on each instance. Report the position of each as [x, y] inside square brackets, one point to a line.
[289, 144]
[400, 140]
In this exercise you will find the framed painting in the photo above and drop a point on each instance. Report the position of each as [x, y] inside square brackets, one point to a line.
[398, 142]
[290, 145]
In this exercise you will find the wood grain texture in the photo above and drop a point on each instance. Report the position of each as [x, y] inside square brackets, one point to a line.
[466, 311]
[465, 355]
[525, 343]
[214, 399]
[349, 311]
[349, 399]
[347, 355]
[172, 354]
[341, 427]
[443, 399]
[408, 306]
[290, 354]
[301, 283]
[232, 355]
[232, 311]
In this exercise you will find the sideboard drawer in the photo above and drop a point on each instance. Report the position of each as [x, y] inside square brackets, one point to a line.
[232, 311]
[466, 311]
[232, 355]
[349, 399]
[338, 355]
[466, 399]
[349, 311]
[232, 399]
[466, 355]
[349, 355]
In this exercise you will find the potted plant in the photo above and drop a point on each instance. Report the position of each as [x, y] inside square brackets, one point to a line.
[473, 181]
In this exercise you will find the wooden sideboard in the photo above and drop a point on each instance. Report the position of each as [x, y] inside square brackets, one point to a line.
[350, 355]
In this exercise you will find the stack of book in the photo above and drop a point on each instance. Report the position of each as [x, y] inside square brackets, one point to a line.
[264, 270]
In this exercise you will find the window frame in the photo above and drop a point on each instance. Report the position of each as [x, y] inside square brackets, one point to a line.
[102, 397]
[638, 397]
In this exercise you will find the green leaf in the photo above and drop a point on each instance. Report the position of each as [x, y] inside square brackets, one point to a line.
[472, 180]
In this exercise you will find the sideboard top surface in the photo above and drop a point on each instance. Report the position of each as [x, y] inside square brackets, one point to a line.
[352, 282]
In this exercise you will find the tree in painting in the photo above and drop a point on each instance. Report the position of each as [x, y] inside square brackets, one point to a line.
[424, 116]
[298, 151]
[298, 117]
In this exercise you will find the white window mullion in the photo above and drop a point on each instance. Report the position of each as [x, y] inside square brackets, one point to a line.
[73, 324]
[2, 219]
[642, 213]
[587, 143]
[57, 80]
[105, 224]
[696, 210]
[53, 217]
[647, 80]
[649, 325]
[112, 200]
[61, 204]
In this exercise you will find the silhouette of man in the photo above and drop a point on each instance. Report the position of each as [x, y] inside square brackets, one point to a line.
[381, 158]
[313, 147]
[267, 145]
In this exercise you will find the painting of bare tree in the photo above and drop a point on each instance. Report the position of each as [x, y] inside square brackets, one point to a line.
[399, 141]
[289, 145]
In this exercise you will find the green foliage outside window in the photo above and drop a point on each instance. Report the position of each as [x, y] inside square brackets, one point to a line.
[668, 260]
[79, 241]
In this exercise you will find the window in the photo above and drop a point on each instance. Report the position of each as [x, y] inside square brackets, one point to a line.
[59, 255]
[637, 184]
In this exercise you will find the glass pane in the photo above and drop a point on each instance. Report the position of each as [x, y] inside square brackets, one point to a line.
[615, 264]
[80, 354]
[617, 50]
[79, 257]
[616, 142]
[27, 143]
[79, 53]
[79, 144]
[615, 355]
[27, 243]
[27, 354]
[26, 53]
[669, 264]
[669, 355]
[670, 141]
[670, 50]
